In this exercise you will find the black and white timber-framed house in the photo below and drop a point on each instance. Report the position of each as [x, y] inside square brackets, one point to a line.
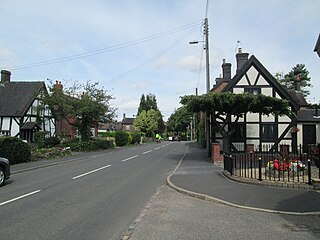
[267, 132]
[22, 112]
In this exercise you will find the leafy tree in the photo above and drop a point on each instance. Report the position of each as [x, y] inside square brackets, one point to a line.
[149, 102]
[298, 73]
[179, 120]
[227, 106]
[82, 106]
[147, 121]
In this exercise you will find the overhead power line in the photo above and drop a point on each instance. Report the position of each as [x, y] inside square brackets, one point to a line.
[106, 49]
[154, 57]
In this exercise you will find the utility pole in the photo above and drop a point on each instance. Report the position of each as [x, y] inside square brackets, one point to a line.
[207, 115]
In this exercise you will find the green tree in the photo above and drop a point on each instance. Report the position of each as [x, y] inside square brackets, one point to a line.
[179, 120]
[147, 121]
[297, 73]
[227, 106]
[82, 106]
[149, 102]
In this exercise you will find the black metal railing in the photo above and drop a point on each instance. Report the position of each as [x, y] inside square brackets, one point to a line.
[282, 165]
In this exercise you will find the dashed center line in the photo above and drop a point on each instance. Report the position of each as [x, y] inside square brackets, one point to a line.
[84, 174]
[127, 159]
[17, 198]
[147, 152]
[157, 148]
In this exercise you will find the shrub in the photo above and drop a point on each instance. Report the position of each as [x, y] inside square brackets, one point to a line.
[78, 145]
[103, 144]
[136, 138]
[15, 150]
[51, 142]
[106, 134]
[121, 138]
[39, 138]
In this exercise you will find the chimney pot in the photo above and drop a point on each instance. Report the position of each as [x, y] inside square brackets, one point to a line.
[5, 76]
[226, 70]
[242, 58]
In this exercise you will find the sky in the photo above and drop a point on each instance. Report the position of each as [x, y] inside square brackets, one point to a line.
[135, 47]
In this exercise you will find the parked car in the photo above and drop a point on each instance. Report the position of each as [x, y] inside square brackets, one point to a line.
[4, 170]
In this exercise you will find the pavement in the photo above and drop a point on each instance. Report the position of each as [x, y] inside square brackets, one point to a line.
[196, 177]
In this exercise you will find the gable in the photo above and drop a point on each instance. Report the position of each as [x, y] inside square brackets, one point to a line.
[17, 97]
[254, 77]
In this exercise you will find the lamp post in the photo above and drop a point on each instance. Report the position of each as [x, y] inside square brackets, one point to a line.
[207, 115]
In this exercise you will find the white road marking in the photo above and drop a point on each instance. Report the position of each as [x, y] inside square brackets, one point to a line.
[157, 148]
[17, 198]
[84, 174]
[124, 160]
[147, 152]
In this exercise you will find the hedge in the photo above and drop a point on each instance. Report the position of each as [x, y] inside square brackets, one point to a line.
[15, 150]
[121, 138]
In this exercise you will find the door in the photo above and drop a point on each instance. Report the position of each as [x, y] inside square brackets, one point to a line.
[309, 136]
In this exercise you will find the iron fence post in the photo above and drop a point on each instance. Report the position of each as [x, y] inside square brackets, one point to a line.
[309, 172]
[260, 169]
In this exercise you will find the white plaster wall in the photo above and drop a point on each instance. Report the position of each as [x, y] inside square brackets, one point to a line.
[252, 117]
[15, 129]
[284, 118]
[266, 91]
[252, 74]
[238, 90]
[6, 123]
[262, 81]
[243, 81]
[270, 118]
[281, 128]
[253, 130]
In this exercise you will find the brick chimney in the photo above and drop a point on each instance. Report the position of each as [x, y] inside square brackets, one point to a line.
[5, 76]
[226, 70]
[242, 58]
[58, 85]
[297, 82]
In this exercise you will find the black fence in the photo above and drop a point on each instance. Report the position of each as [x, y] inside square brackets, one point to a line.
[283, 166]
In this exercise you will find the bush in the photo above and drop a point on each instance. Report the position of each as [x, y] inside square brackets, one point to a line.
[79, 145]
[106, 134]
[51, 142]
[121, 138]
[103, 144]
[39, 138]
[136, 138]
[15, 150]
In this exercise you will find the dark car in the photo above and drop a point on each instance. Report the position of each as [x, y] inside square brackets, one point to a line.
[4, 170]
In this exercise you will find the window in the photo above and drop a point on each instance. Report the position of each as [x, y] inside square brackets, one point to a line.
[253, 90]
[239, 132]
[268, 132]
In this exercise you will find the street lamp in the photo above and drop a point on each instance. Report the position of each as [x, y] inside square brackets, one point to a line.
[207, 115]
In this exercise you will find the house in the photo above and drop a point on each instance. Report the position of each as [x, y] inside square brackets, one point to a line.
[22, 111]
[127, 124]
[254, 129]
[63, 128]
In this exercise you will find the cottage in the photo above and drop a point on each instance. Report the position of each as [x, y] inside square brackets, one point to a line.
[268, 132]
[22, 111]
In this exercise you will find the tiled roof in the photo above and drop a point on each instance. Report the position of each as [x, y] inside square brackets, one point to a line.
[308, 115]
[17, 97]
[128, 120]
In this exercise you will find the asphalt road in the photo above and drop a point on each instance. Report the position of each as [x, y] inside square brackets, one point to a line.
[95, 196]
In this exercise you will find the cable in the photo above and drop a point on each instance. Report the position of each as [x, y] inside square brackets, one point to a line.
[154, 57]
[104, 50]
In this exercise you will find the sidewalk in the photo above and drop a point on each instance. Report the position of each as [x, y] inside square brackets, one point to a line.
[198, 178]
